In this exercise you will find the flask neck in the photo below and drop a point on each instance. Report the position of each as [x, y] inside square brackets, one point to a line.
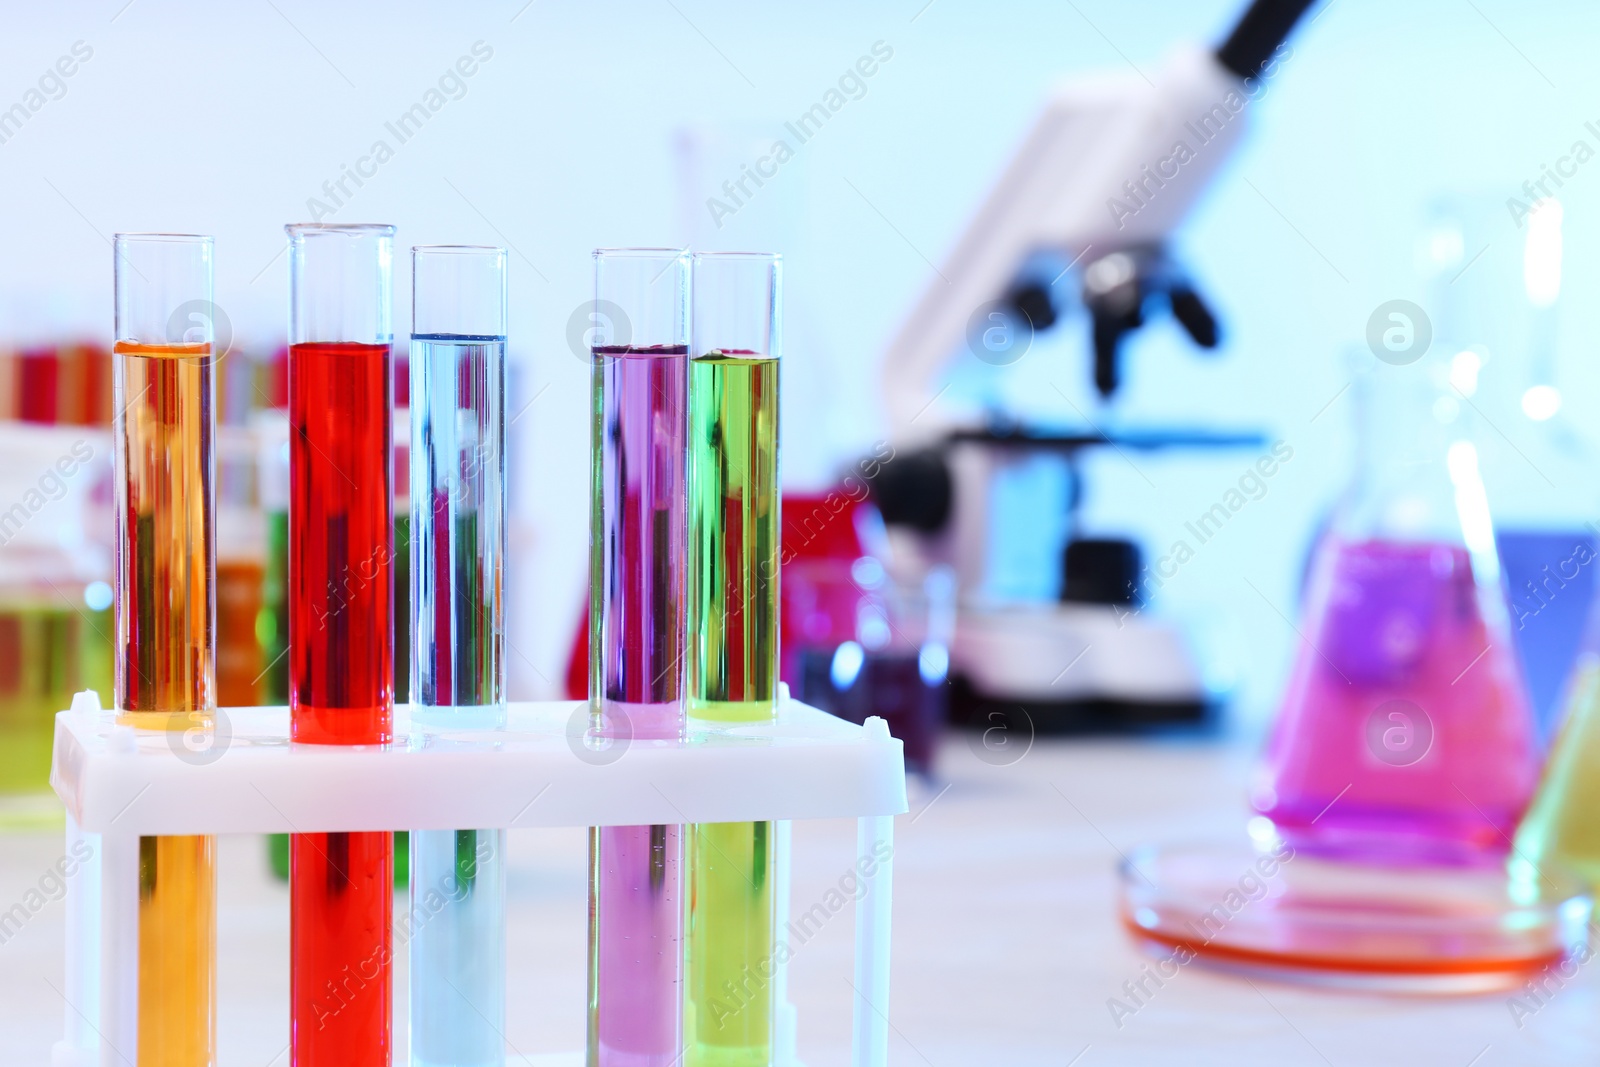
[1415, 463]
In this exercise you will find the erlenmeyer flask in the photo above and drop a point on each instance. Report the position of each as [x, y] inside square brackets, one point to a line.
[1405, 734]
[1562, 828]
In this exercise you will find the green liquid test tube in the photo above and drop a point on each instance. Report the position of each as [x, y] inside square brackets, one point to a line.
[734, 532]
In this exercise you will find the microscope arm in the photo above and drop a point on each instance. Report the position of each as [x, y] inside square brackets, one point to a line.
[1112, 163]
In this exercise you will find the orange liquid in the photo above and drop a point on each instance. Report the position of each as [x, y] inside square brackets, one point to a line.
[166, 671]
[1399, 963]
[241, 662]
[177, 950]
[165, 593]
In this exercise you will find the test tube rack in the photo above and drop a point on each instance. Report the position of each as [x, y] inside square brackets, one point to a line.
[244, 776]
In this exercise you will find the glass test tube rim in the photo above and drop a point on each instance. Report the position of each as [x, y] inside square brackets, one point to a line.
[641, 253]
[459, 249]
[173, 238]
[772, 257]
[351, 229]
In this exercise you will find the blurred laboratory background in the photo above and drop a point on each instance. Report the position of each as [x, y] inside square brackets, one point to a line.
[1078, 601]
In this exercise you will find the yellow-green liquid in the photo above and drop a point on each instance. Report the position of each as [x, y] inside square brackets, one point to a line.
[734, 529]
[1562, 826]
[49, 649]
[730, 936]
[733, 538]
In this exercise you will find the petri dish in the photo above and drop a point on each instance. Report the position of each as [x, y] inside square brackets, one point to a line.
[1266, 909]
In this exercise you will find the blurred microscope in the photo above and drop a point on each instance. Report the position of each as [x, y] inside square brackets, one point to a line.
[1102, 181]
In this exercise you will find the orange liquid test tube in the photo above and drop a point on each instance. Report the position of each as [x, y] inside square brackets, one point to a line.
[165, 609]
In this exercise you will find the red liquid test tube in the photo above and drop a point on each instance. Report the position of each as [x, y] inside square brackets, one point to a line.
[341, 650]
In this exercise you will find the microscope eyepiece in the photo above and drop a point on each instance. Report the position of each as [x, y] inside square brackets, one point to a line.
[1260, 30]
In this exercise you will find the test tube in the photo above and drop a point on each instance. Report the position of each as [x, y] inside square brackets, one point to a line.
[340, 628]
[638, 452]
[734, 528]
[165, 606]
[458, 551]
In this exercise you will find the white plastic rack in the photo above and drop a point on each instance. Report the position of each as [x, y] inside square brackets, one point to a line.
[244, 776]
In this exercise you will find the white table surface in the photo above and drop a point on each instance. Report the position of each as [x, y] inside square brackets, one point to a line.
[1007, 947]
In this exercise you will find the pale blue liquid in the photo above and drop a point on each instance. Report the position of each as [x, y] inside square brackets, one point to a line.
[458, 549]
[458, 955]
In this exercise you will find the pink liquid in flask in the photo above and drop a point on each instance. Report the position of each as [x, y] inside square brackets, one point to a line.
[1405, 735]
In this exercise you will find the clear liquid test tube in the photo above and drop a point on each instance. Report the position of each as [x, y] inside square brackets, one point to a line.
[165, 608]
[458, 552]
[734, 531]
[341, 685]
[637, 613]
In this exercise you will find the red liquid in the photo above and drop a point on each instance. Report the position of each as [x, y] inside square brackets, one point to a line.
[341, 688]
[340, 692]
[340, 914]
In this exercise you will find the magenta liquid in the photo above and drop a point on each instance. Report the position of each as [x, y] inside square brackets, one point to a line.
[639, 951]
[1404, 733]
[637, 570]
[636, 683]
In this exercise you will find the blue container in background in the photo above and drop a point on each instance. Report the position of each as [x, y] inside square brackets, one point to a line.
[1550, 584]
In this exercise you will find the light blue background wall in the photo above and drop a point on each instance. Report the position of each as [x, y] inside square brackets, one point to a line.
[226, 118]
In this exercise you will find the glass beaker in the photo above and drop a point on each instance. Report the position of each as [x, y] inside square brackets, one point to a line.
[890, 654]
[1405, 733]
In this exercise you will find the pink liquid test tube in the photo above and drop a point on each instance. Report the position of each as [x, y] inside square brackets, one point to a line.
[637, 630]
